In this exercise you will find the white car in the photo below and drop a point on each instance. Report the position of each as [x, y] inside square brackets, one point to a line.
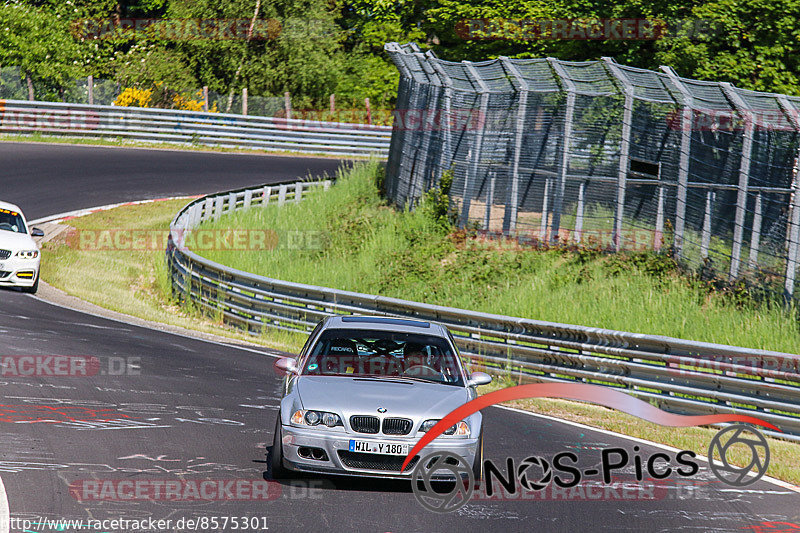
[19, 253]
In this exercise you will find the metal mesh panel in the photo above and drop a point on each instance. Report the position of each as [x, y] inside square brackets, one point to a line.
[609, 155]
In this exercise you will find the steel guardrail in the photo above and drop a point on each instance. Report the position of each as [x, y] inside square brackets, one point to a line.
[192, 127]
[675, 374]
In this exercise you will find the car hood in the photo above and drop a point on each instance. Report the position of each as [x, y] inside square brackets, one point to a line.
[16, 241]
[400, 397]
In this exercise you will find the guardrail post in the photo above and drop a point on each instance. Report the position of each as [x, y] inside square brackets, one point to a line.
[510, 218]
[744, 176]
[218, 207]
[683, 163]
[472, 171]
[624, 150]
[755, 238]
[208, 208]
[558, 198]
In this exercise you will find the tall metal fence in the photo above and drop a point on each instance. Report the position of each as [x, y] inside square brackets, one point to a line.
[603, 154]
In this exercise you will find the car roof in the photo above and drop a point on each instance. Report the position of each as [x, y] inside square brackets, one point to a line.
[385, 323]
[10, 207]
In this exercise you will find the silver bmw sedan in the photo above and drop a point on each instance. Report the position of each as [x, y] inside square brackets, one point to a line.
[364, 390]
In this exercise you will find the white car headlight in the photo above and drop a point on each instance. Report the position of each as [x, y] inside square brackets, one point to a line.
[460, 429]
[305, 417]
[28, 254]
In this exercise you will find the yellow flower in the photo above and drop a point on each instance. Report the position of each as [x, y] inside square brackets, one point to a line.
[132, 97]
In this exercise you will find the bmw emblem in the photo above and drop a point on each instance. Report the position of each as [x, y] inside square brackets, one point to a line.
[381, 410]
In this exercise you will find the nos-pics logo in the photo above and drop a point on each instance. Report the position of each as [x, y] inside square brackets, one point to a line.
[438, 466]
[444, 481]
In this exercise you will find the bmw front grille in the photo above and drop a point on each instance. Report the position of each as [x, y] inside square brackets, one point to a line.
[365, 424]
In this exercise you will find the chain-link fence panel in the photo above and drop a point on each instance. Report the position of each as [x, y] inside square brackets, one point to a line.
[549, 151]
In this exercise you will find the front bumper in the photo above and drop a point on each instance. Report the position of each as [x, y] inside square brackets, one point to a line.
[18, 272]
[341, 461]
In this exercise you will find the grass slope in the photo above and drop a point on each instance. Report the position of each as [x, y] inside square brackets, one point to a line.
[370, 247]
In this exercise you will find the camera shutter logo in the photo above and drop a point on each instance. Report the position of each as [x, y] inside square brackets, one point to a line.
[433, 465]
[744, 438]
[526, 467]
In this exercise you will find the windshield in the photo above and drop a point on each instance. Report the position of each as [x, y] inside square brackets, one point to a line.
[11, 221]
[365, 353]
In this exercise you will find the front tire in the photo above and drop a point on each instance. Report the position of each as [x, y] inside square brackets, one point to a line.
[477, 463]
[33, 288]
[277, 469]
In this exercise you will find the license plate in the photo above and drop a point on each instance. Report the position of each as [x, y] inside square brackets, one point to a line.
[383, 448]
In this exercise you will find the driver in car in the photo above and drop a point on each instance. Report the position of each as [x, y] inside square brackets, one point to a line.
[415, 360]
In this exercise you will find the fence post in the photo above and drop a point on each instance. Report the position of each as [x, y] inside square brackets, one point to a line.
[447, 83]
[545, 214]
[558, 198]
[205, 98]
[624, 149]
[333, 104]
[510, 218]
[705, 240]
[793, 234]
[683, 163]
[369, 110]
[755, 238]
[90, 88]
[579, 212]
[659, 236]
[489, 201]
[244, 101]
[29, 82]
[472, 171]
[287, 104]
[744, 110]
[793, 220]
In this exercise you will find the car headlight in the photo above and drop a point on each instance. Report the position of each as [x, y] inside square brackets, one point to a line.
[459, 430]
[28, 254]
[305, 417]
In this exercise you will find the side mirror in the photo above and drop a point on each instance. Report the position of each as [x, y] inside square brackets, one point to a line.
[287, 365]
[36, 232]
[479, 378]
